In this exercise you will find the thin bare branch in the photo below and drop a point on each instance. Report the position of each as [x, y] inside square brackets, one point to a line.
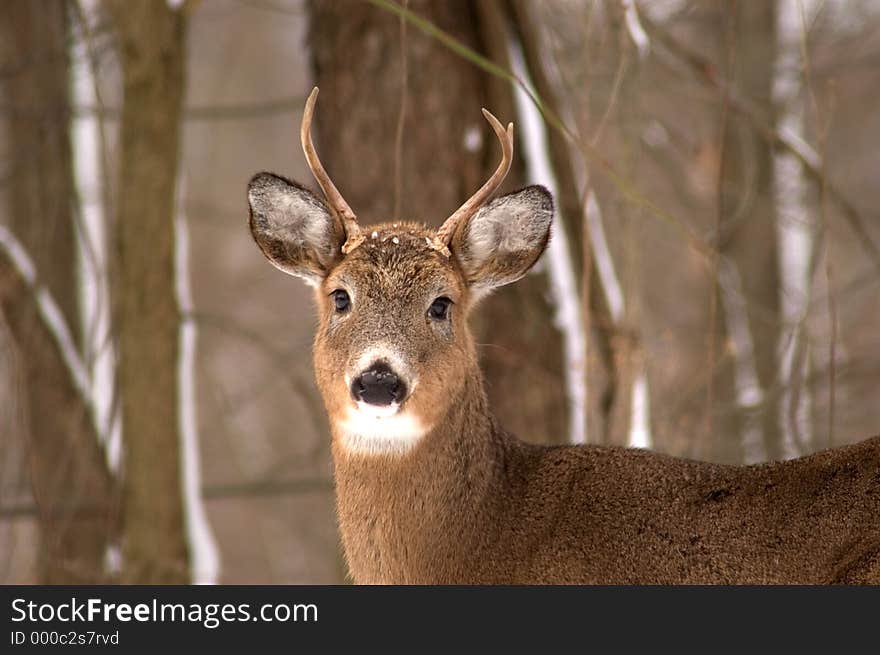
[673, 48]
[15, 257]
[208, 113]
[401, 119]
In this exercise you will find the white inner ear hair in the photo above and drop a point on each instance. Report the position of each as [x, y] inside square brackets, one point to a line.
[507, 224]
[370, 430]
[295, 217]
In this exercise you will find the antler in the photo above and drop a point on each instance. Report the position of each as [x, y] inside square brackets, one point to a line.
[353, 236]
[473, 204]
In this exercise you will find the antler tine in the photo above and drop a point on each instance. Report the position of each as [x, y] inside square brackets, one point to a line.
[334, 198]
[473, 204]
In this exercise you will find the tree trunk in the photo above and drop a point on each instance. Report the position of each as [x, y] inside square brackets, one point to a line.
[570, 217]
[797, 238]
[614, 101]
[447, 153]
[71, 484]
[150, 40]
[747, 239]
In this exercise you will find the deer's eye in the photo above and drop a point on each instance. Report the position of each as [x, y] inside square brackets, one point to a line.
[439, 309]
[341, 301]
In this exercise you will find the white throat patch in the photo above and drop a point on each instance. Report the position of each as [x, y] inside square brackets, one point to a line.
[372, 430]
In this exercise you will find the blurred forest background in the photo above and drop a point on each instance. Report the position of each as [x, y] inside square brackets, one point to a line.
[713, 288]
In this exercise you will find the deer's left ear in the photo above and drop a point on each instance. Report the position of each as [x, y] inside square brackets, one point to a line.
[504, 239]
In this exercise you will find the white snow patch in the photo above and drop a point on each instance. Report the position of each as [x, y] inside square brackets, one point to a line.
[635, 29]
[655, 134]
[640, 421]
[92, 258]
[113, 559]
[204, 554]
[795, 224]
[473, 138]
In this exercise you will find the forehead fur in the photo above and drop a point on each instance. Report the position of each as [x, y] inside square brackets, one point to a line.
[397, 256]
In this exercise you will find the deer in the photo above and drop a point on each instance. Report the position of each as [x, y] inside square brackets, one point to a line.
[430, 489]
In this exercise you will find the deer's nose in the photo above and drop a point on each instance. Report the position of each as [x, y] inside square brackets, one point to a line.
[378, 385]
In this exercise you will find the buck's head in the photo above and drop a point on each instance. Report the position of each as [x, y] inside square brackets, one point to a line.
[393, 346]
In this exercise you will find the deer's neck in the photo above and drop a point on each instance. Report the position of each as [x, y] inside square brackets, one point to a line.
[409, 518]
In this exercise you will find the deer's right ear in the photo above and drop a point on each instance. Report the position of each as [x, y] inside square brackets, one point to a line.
[293, 227]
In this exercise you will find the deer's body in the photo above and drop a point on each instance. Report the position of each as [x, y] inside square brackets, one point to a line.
[430, 489]
[472, 504]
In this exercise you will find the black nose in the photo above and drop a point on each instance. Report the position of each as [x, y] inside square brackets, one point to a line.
[378, 385]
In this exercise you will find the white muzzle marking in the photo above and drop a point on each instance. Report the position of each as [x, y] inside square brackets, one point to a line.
[373, 430]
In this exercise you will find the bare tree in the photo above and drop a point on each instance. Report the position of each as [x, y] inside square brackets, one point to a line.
[616, 124]
[76, 494]
[150, 41]
[748, 266]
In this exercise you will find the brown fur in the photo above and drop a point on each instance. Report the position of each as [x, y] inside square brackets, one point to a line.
[473, 505]
[470, 503]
